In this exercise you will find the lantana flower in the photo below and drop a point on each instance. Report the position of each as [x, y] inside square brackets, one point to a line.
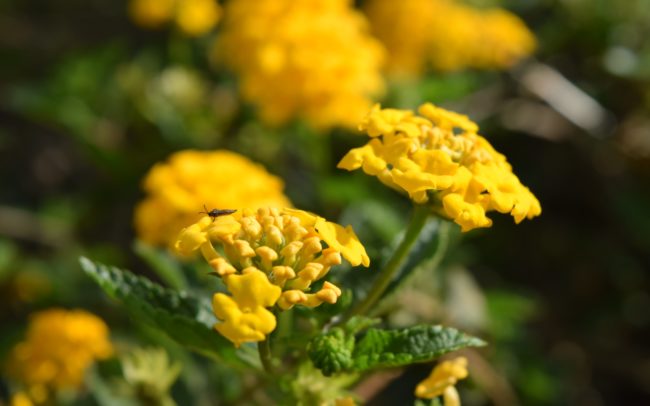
[269, 258]
[59, 347]
[193, 17]
[448, 35]
[311, 59]
[441, 381]
[179, 188]
[440, 160]
[20, 399]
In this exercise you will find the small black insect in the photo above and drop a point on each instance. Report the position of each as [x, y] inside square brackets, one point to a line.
[214, 213]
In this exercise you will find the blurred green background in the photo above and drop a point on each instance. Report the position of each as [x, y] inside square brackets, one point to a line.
[89, 102]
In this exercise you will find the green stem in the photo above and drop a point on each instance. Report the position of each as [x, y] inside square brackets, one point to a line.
[264, 348]
[444, 228]
[417, 222]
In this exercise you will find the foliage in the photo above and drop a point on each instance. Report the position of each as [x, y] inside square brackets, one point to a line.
[88, 110]
[186, 319]
[339, 350]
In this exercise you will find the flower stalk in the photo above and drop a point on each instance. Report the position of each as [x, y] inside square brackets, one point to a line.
[264, 348]
[443, 236]
[417, 222]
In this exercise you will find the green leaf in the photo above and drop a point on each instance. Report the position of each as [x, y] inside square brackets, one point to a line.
[340, 350]
[391, 348]
[185, 319]
[332, 352]
[8, 254]
[432, 402]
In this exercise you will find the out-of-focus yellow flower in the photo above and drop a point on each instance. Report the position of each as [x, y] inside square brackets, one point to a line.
[178, 189]
[440, 160]
[442, 380]
[60, 346]
[151, 13]
[270, 257]
[448, 34]
[309, 59]
[193, 17]
[197, 17]
[404, 27]
[347, 401]
[21, 399]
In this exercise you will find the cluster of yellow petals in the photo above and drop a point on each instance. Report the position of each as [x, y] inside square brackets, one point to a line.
[441, 381]
[441, 159]
[21, 399]
[269, 257]
[193, 17]
[59, 347]
[448, 34]
[178, 189]
[308, 59]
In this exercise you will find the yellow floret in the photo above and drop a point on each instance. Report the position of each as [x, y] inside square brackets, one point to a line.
[441, 381]
[244, 317]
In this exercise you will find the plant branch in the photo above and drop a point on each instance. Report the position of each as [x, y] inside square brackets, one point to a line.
[264, 348]
[417, 222]
[444, 229]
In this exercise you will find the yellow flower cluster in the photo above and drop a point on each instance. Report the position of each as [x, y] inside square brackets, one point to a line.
[178, 189]
[21, 399]
[193, 17]
[448, 34]
[442, 380]
[269, 257]
[308, 59]
[60, 346]
[440, 158]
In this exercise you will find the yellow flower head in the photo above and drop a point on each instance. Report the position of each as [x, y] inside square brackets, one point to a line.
[447, 34]
[21, 399]
[178, 189]
[269, 257]
[60, 346]
[440, 159]
[346, 401]
[308, 59]
[151, 13]
[442, 380]
[193, 17]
